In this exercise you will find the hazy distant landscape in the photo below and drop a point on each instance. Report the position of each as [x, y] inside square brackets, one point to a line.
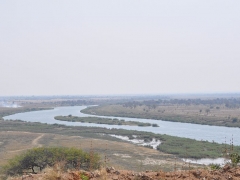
[119, 90]
[212, 111]
[223, 111]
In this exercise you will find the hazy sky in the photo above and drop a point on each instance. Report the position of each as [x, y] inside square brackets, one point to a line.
[56, 47]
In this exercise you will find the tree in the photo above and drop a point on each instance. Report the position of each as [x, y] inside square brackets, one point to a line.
[234, 120]
[207, 111]
[39, 158]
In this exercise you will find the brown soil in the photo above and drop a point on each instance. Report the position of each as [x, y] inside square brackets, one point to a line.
[226, 173]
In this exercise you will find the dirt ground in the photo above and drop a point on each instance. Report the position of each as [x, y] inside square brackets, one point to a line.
[110, 173]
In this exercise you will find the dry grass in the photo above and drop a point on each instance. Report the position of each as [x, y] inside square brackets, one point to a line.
[174, 112]
[55, 173]
[50, 174]
[13, 143]
[121, 155]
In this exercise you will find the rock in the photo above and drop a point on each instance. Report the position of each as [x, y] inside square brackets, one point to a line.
[92, 175]
[145, 177]
[179, 176]
[108, 169]
[226, 167]
[27, 177]
[117, 172]
[184, 176]
[237, 173]
[196, 173]
[96, 173]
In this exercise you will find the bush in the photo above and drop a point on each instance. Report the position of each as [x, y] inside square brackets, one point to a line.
[234, 120]
[235, 158]
[155, 125]
[37, 159]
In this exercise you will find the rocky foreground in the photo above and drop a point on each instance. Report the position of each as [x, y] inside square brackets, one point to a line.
[225, 173]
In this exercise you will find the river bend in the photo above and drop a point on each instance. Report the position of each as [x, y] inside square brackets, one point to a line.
[194, 131]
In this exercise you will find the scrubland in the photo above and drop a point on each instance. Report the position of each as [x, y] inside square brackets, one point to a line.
[210, 112]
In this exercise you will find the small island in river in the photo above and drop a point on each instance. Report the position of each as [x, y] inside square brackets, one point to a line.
[99, 120]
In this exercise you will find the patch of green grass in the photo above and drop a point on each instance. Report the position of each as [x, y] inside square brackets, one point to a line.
[189, 148]
[99, 120]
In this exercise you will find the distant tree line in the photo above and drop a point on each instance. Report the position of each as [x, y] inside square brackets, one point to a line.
[229, 103]
[71, 103]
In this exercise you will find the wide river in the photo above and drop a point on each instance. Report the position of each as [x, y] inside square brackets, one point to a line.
[194, 131]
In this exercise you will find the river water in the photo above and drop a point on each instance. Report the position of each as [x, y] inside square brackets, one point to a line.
[194, 131]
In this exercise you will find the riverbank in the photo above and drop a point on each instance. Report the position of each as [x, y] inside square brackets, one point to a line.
[10, 111]
[209, 114]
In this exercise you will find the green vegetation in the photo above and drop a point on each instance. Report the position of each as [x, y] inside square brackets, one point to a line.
[235, 158]
[155, 125]
[222, 112]
[209, 112]
[84, 177]
[99, 120]
[189, 148]
[181, 147]
[39, 158]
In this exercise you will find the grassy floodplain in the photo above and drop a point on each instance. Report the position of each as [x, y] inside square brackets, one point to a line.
[120, 154]
[219, 112]
[98, 120]
[181, 147]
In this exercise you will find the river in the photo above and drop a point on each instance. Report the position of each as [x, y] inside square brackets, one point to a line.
[194, 131]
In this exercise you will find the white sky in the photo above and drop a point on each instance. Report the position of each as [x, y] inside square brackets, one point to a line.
[80, 47]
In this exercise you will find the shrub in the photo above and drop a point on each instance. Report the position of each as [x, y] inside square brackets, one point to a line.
[235, 158]
[234, 120]
[40, 158]
[155, 125]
